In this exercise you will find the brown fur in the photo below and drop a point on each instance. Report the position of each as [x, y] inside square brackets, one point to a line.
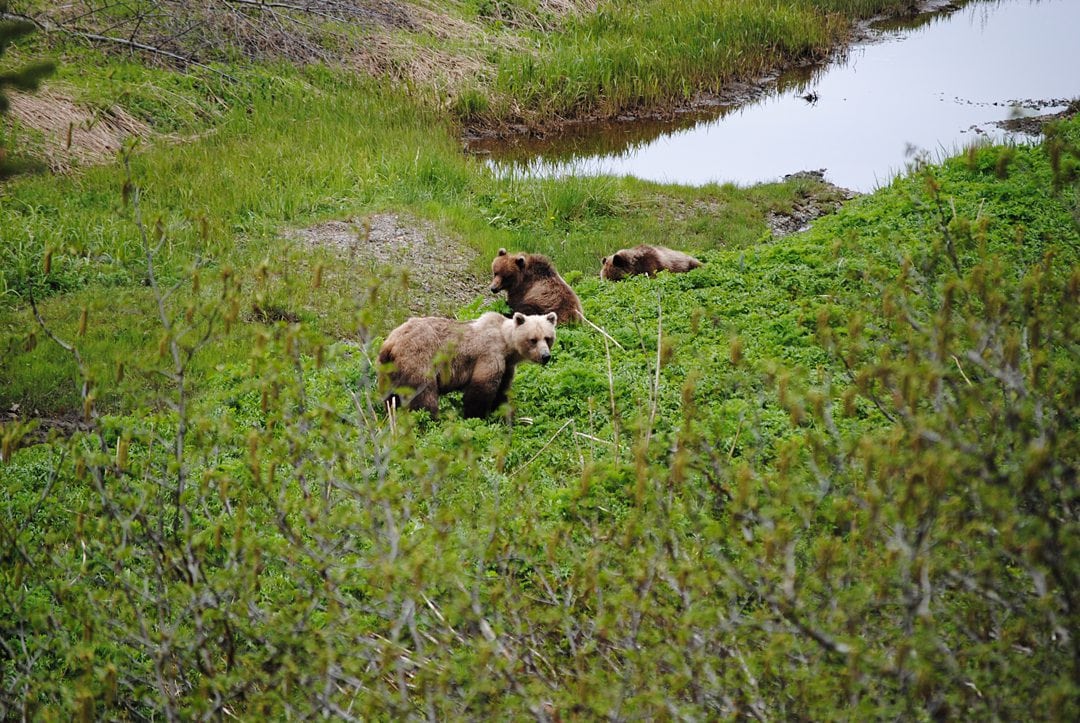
[432, 356]
[533, 286]
[645, 259]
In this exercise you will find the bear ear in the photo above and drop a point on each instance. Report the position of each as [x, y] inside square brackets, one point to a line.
[502, 252]
[619, 260]
[552, 317]
[519, 318]
[520, 261]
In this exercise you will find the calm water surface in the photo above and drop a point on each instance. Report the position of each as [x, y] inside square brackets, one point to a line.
[932, 90]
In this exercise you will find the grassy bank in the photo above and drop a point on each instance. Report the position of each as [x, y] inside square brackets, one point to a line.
[655, 55]
[490, 64]
[825, 476]
[300, 147]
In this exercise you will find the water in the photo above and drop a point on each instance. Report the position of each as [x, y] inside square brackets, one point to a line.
[929, 90]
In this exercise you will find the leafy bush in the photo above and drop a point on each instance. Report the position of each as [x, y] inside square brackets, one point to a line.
[829, 473]
[26, 78]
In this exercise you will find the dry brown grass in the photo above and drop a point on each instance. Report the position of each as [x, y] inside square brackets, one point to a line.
[405, 59]
[74, 135]
[407, 54]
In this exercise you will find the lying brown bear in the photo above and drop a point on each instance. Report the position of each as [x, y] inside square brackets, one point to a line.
[645, 259]
[533, 286]
[432, 355]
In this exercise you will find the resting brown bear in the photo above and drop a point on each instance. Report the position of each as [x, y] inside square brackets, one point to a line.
[645, 259]
[432, 355]
[533, 286]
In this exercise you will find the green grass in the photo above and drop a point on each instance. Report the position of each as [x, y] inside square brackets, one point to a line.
[655, 54]
[510, 61]
[826, 475]
[301, 147]
[658, 513]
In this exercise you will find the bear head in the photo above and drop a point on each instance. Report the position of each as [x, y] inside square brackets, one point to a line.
[615, 267]
[506, 271]
[532, 336]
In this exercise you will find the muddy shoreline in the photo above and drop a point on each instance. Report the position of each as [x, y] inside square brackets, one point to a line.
[1033, 125]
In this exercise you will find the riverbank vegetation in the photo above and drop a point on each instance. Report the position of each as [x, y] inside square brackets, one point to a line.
[825, 475]
[660, 55]
[490, 65]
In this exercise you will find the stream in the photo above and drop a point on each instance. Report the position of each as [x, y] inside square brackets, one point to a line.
[926, 88]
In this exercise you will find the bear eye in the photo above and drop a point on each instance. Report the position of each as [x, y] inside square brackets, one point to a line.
[533, 341]
[550, 340]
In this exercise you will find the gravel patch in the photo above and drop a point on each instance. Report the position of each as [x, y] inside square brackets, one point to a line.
[440, 269]
[812, 206]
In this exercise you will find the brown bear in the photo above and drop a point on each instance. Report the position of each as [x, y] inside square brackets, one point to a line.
[533, 286]
[432, 355]
[645, 259]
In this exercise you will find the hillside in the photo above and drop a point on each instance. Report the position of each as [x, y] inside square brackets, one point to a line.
[830, 474]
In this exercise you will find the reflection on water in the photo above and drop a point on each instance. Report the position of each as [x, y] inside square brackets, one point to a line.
[929, 89]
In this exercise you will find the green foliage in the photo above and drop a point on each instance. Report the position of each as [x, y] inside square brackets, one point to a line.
[81, 223]
[829, 475]
[26, 78]
[223, 201]
[833, 472]
[648, 54]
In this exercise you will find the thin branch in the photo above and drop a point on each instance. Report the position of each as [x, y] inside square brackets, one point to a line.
[187, 60]
[656, 377]
[541, 450]
[50, 26]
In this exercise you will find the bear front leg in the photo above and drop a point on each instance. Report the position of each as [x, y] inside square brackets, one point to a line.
[480, 393]
[504, 388]
[426, 397]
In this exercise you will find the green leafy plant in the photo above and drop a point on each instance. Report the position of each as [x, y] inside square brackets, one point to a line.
[25, 78]
[828, 475]
[803, 486]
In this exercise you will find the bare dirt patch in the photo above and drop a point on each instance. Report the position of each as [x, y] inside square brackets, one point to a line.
[24, 428]
[440, 268]
[74, 135]
[821, 199]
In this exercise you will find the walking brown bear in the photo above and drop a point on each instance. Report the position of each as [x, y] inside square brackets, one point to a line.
[432, 355]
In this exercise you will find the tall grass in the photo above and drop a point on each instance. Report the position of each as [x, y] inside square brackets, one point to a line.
[830, 474]
[301, 147]
[298, 148]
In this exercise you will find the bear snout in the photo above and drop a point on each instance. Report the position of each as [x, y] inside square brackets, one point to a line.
[545, 357]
